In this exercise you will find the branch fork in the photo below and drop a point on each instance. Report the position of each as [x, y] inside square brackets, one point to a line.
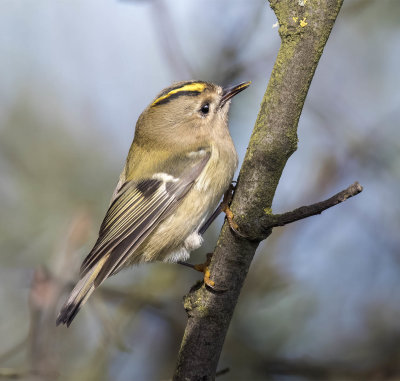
[270, 221]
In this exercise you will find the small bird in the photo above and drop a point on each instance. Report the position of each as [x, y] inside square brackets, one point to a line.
[181, 161]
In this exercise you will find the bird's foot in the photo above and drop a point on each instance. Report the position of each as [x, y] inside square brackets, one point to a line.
[228, 212]
[203, 268]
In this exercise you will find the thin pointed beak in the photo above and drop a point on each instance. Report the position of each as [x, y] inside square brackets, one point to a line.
[231, 91]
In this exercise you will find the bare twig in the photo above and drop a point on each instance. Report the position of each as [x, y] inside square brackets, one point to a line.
[273, 220]
[222, 372]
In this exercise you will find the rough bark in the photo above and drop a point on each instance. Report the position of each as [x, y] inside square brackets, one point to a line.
[304, 27]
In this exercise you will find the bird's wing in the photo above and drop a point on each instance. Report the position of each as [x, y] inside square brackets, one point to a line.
[135, 212]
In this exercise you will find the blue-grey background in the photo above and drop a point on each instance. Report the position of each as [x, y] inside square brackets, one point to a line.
[321, 299]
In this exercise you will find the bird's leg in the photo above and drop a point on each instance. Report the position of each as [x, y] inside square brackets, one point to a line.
[223, 207]
[203, 268]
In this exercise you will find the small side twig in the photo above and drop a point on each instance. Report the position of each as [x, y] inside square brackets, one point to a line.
[222, 372]
[273, 220]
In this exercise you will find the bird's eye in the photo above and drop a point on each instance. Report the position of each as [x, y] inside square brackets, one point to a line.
[205, 108]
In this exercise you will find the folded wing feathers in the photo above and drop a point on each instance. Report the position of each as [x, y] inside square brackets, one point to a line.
[115, 229]
[132, 216]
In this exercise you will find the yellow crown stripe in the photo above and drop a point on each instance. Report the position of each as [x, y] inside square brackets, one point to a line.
[196, 86]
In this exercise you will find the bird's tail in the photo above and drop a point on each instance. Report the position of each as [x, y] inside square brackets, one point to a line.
[80, 294]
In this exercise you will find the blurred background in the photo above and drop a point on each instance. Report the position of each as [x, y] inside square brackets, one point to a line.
[322, 297]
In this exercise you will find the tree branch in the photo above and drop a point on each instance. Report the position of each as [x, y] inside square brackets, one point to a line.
[273, 220]
[304, 28]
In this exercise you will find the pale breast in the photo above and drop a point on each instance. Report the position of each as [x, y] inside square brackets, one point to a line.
[177, 235]
[198, 205]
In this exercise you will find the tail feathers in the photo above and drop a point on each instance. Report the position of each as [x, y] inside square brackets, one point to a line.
[79, 295]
